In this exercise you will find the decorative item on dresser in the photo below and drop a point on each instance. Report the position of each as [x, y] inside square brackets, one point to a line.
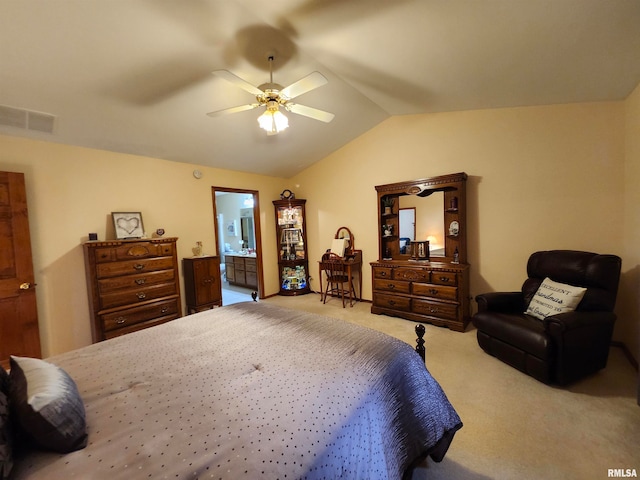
[128, 225]
[202, 283]
[415, 283]
[291, 231]
[132, 284]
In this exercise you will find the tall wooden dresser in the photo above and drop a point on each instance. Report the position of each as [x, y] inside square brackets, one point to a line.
[202, 283]
[132, 284]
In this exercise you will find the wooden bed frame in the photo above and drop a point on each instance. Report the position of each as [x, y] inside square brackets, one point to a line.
[420, 330]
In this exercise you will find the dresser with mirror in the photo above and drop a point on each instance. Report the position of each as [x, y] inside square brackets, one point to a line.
[422, 272]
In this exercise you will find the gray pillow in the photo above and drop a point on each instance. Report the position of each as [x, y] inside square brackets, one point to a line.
[6, 437]
[4, 381]
[46, 405]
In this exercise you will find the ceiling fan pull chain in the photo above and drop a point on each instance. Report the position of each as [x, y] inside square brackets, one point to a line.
[270, 68]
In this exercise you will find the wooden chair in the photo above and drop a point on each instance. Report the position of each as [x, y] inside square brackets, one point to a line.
[338, 281]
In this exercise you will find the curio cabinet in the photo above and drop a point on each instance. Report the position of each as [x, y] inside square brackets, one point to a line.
[291, 231]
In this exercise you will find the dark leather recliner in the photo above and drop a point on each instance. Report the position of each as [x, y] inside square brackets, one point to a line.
[561, 348]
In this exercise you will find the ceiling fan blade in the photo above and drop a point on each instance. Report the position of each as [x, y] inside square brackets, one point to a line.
[243, 84]
[310, 112]
[305, 84]
[241, 108]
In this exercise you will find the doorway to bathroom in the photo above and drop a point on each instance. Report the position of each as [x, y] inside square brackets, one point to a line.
[236, 215]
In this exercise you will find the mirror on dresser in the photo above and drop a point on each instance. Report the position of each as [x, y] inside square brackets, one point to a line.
[421, 218]
[422, 272]
[439, 204]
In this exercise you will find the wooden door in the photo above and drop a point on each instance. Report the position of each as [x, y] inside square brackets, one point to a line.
[19, 334]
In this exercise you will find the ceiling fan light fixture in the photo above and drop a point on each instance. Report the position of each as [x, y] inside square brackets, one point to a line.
[272, 96]
[273, 121]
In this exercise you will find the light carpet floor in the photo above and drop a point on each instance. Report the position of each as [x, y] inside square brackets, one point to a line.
[514, 426]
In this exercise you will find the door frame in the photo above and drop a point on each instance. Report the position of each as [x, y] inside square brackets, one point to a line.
[256, 226]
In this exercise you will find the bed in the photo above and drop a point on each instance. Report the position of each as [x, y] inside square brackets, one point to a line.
[251, 391]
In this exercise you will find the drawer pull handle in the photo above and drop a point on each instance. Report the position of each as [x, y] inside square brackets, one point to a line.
[383, 274]
[141, 295]
[433, 291]
[164, 310]
[444, 279]
[391, 286]
[121, 320]
[138, 266]
[141, 281]
[392, 303]
[433, 310]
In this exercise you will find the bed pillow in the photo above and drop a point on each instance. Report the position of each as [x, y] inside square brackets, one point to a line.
[4, 381]
[6, 437]
[553, 298]
[46, 405]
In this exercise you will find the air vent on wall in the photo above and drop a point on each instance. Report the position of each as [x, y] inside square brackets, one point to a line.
[26, 119]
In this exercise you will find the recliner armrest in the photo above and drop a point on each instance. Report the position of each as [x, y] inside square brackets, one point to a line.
[506, 302]
[564, 322]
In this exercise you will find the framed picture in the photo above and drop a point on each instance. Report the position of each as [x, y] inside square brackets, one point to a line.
[128, 224]
[231, 229]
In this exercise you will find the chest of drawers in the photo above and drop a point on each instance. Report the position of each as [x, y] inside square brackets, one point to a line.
[132, 284]
[431, 292]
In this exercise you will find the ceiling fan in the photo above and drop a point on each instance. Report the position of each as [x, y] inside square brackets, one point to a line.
[273, 96]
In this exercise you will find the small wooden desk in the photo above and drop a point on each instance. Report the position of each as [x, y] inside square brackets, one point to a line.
[352, 260]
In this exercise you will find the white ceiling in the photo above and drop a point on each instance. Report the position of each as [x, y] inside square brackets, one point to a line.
[134, 76]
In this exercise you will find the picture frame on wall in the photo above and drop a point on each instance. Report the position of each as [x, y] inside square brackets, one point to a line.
[128, 225]
[232, 230]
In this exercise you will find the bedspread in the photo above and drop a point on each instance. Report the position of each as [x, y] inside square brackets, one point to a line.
[251, 391]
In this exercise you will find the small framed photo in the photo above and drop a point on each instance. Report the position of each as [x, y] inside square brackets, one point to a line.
[232, 230]
[128, 225]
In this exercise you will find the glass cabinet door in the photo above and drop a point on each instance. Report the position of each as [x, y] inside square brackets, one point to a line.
[291, 233]
[292, 248]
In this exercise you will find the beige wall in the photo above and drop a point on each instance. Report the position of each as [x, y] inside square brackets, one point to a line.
[629, 305]
[72, 191]
[539, 178]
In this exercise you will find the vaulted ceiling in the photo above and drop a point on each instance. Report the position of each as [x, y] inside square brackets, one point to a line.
[134, 76]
